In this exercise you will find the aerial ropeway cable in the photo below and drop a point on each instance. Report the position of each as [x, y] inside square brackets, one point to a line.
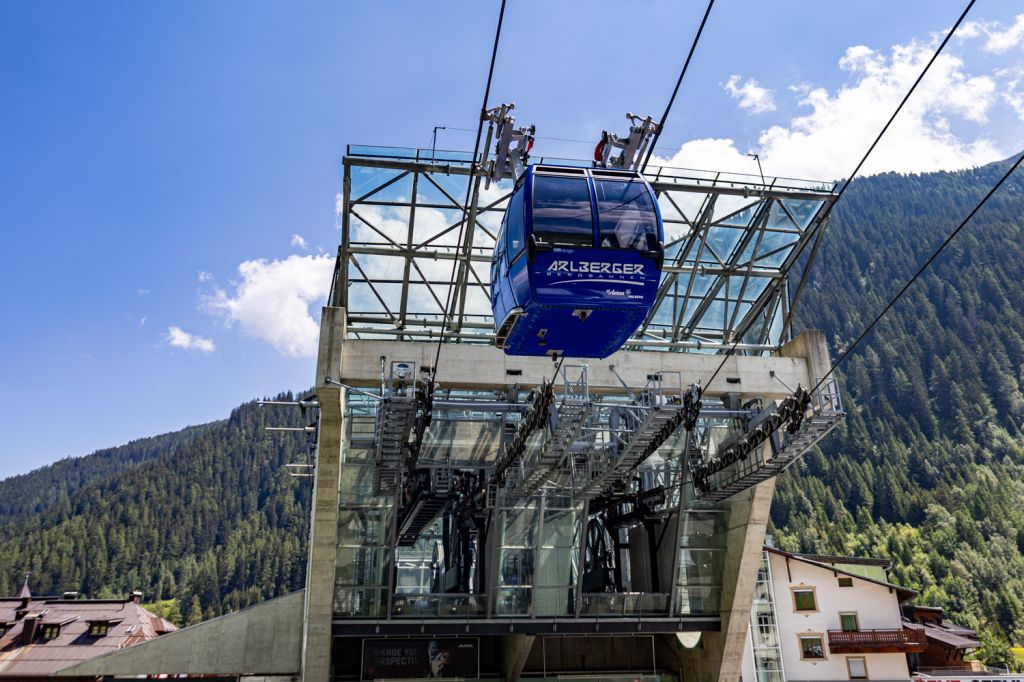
[675, 91]
[935, 254]
[473, 178]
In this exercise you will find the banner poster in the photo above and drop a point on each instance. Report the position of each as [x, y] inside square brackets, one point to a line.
[420, 658]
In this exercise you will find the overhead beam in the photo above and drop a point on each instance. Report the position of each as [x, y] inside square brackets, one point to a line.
[480, 367]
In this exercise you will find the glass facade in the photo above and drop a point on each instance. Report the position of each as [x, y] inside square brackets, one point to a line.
[527, 561]
[729, 243]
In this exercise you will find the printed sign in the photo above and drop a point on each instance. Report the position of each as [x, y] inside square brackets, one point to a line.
[420, 658]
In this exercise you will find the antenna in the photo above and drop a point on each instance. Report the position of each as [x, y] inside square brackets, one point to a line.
[433, 143]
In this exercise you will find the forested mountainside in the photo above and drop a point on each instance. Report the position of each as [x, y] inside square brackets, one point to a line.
[207, 517]
[928, 469]
[54, 484]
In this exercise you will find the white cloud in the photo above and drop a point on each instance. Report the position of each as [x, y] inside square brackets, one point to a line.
[141, 292]
[272, 298]
[299, 241]
[751, 95]
[827, 142]
[179, 338]
[142, 322]
[1015, 99]
[205, 276]
[1000, 39]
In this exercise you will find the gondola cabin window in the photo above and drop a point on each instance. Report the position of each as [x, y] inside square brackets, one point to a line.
[626, 214]
[562, 213]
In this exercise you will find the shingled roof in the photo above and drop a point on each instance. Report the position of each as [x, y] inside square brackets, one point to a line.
[39, 636]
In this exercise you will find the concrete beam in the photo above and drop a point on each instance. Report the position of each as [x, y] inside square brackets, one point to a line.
[464, 366]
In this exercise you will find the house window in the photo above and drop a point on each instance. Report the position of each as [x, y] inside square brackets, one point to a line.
[846, 582]
[3, 629]
[857, 666]
[811, 648]
[803, 599]
[51, 631]
[848, 621]
[98, 629]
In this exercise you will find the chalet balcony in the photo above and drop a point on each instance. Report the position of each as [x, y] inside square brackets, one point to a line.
[902, 641]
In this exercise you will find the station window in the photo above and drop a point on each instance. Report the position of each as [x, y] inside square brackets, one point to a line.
[846, 582]
[857, 666]
[562, 213]
[626, 214]
[804, 599]
[848, 621]
[811, 648]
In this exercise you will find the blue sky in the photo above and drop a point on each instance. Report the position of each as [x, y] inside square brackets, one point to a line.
[168, 171]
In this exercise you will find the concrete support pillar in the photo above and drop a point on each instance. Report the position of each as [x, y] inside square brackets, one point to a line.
[517, 651]
[719, 656]
[810, 347]
[323, 535]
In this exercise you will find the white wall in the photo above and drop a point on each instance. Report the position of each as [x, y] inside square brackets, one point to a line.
[876, 608]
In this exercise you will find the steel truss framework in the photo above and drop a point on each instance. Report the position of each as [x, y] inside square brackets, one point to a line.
[731, 241]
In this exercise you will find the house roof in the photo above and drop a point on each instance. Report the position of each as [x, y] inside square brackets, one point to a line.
[129, 624]
[952, 636]
[902, 593]
[885, 564]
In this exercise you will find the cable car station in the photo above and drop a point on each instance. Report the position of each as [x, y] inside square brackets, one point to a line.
[512, 508]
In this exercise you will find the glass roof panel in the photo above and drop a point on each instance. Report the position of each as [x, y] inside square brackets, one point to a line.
[378, 234]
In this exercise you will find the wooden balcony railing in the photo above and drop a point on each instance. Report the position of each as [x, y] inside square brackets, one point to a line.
[904, 640]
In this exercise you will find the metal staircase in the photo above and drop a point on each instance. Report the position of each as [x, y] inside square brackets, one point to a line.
[646, 437]
[427, 505]
[395, 419]
[787, 448]
[536, 466]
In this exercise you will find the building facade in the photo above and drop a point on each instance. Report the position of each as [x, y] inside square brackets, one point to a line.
[828, 618]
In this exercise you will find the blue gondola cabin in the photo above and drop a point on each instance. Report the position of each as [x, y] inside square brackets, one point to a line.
[577, 262]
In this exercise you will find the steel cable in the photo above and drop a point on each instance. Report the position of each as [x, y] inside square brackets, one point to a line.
[473, 178]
